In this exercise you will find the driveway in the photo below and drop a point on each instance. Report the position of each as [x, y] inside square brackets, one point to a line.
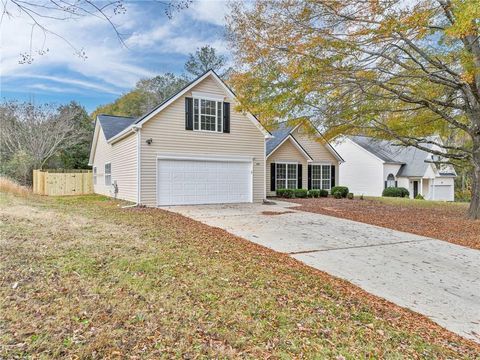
[429, 276]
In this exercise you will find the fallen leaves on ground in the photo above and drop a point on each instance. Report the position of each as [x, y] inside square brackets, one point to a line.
[98, 281]
[444, 221]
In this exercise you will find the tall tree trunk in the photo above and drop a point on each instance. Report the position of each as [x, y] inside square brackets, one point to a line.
[474, 210]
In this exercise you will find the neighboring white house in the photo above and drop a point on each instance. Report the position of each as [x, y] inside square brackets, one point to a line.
[194, 148]
[371, 165]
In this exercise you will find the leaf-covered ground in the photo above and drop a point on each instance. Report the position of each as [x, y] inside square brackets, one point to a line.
[81, 277]
[440, 220]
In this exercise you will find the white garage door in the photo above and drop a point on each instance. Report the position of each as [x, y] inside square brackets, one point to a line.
[443, 193]
[183, 182]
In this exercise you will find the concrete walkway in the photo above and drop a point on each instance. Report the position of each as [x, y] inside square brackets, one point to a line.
[429, 276]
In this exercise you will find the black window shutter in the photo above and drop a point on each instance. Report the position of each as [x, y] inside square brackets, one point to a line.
[309, 179]
[332, 176]
[396, 183]
[226, 117]
[299, 176]
[188, 113]
[385, 184]
[272, 176]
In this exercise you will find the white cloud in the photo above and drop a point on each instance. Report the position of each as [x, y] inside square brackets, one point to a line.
[211, 11]
[50, 88]
[110, 67]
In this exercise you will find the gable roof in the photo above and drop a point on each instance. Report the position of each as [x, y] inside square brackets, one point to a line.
[113, 125]
[144, 118]
[279, 136]
[283, 131]
[413, 160]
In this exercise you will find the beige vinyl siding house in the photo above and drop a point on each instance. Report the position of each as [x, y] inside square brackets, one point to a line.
[124, 167]
[294, 146]
[121, 160]
[102, 155]
[194, 148]
[168, 134]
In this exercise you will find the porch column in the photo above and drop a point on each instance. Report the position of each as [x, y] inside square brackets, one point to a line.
[433, 189]
[421, 187]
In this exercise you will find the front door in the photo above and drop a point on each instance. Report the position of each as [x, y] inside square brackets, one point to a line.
[415, 189]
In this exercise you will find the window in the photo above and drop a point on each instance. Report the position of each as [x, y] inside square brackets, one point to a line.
[321, 177]
[207, 115]
[326, 174]
[390, 180]
[286, 176]
[108, 174]
[94, 175]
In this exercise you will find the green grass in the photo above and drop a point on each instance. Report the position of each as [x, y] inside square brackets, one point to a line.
[95, 280]
[417, 203]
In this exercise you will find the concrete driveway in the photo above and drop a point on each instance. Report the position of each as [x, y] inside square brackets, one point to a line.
[429, 276]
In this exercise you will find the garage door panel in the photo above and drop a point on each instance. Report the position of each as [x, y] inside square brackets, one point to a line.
[203, 182]
[443, 192]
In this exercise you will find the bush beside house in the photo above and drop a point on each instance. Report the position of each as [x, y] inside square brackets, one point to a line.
[301, 193]
[339, 192]
[395, 192]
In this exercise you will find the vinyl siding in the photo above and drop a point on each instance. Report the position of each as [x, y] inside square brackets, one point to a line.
[124, 167]
[289, 152]
[103, 155]
[362, 172]
[390, 169]
[168, 134]
[314, 147]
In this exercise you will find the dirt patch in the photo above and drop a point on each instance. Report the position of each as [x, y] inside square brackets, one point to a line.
[441, 221]
[27, 212]
[273, 213]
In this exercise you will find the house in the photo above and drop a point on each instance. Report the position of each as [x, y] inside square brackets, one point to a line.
[371, 165]
[194, 148]
[298, 157]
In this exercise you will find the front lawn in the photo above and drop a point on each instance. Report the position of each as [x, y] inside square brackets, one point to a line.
[81, 277]
[441, 220]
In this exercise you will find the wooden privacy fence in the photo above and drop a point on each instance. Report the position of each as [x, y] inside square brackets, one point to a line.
[62, 182]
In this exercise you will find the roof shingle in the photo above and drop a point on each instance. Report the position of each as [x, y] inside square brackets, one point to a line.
[412, 159]
[112, 125]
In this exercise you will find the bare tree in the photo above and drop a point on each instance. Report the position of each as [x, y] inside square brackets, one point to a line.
[39, 12]
[36, 132]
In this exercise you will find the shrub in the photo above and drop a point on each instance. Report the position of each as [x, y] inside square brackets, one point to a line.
[314, 193]
[301, 193]
[323, 193]
[419, 197]
[463, 195]
[286, 193]
[361, 197]
[280, 192]
[343, 190]
[395, 192]
[337, 194]
[350, 196]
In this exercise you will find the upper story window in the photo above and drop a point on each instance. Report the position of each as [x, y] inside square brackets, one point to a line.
[207, 115]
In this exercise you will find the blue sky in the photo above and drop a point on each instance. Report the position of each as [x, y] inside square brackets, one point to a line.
[155, 44]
